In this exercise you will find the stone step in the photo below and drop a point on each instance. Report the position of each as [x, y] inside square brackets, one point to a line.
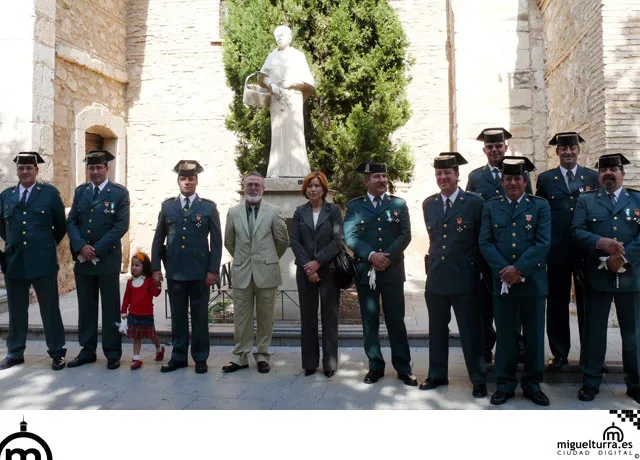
[4, 304]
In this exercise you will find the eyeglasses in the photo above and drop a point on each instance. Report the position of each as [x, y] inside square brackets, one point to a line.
[96, 168]
[494, 146]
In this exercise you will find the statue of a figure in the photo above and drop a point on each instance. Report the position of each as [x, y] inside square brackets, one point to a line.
[289, 78]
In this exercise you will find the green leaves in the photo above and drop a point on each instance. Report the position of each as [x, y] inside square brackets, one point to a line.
[357, 51]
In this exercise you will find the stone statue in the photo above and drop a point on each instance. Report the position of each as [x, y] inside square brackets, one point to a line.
[287, 74]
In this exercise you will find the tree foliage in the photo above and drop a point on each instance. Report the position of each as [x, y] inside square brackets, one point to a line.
[357, 51]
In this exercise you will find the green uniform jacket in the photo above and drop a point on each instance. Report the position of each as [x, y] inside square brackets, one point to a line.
[520, 238]
[552, 187]
[481, 181]
[385, 229]
[596, 217]
[188, 236]
[454, 257]
[32, 233]
[101, 223]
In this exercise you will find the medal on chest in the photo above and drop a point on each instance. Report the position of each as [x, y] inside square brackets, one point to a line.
[528, 218]
[459, 222]
[198, 220]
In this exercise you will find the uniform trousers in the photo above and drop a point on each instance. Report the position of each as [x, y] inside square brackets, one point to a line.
[189, 297]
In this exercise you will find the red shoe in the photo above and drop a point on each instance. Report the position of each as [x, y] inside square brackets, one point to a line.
[137, 364]
[160, 354]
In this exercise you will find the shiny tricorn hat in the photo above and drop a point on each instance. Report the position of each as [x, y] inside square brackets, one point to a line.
[489, 135]
[188, 168]
[567, 139]
[367, 167]
[28, 158]
[98, 157]
[516, 166]
[447, 160]
[612, 159]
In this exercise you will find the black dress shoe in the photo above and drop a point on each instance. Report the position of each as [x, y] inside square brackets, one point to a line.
[556, 363]
[263, 367]
[173, 365]
[500, 397]
[78, 361]
[201, 367]
[488, 357]
[113, 363]
[408, 379]
[330, 373]
[537, 397]
[58, 363]
[634, 393]
[308, 372]
[479, 390]
[232, 367]
[588, 393]
[10, 362]
[373, 377]
[430, 384]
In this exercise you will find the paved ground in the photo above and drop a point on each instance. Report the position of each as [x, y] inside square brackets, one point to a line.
[35, 386]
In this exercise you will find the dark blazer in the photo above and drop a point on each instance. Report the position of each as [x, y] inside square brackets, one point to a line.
[383, 229]
[321, 243]
[32, 233]
[194, 239]
[481, 181]
[596, 217]
[520, 238]
[101, 223]
[552, 187]
[454, 257]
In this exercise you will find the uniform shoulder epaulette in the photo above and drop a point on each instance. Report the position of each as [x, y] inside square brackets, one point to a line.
[169, 199]
[495, 198]
[546, 173]
[591, 191]
[476, 170]
[632, 190]
[82, 185]
[208, 200]
[45, 185]
[120, 186]
[533, 197]
[6, 190]
[353, 200]
[431, 198]
[475, 195]
[393, 197]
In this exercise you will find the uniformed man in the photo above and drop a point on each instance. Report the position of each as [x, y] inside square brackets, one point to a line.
[32, 226]
[606, 224]
[514, 240]
[377, 229]
[561, 187]
[98, 220]
[191, 227]
[453, 221]
[486, 182]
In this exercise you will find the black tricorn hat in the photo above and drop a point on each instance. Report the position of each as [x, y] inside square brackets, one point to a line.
[28, 158]
[566, 139]
[98, 157]
[188, 168]
[516, 166]
[447, 160]
[494, 135]
[612, 159]
[367, 167]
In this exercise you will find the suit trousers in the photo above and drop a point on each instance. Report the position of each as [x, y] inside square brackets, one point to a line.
[486, 297]
[559, 277]
[244, 302]
[91, 289]
[531, 312]
[184, 297]
[468, 318]
[393, 307]
[46, 288]
[328, 292]
[596, 318]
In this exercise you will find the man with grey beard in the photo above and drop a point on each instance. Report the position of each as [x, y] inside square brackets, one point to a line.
[606, 224]
[256, 237]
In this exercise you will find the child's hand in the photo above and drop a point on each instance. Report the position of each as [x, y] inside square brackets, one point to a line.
[123, 316]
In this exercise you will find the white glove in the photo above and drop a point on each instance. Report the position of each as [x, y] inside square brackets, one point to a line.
[372, 278]
[122, 326]
[94, 261]
[505, 286]
[603, 264]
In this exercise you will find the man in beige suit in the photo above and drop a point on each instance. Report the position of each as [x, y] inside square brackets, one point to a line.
[256, 236]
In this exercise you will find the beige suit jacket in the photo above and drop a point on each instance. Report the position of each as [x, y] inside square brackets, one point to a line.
[257, 255]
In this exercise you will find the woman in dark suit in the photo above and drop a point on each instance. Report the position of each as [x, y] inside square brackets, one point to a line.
[316, 238]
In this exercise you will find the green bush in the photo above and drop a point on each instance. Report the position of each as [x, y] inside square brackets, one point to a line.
[357, 51]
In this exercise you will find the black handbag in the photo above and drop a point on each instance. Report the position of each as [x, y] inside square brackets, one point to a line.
[345, 269]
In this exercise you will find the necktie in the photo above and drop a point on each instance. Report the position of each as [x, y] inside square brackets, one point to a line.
[514, 205]
[252, 219]
[96, 192]
[23, 200]
[376, 202]
[496, 176]
[612, 197]
[187, 205]
[447, 208]
[571, 181]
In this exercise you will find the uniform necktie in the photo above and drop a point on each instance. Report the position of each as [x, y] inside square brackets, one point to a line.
[187, 205]
[496, 176]
[612, 197]
[571, 181]
[376, 201]
[252, 219]
[23, 200]
[514, 205]
[96, 192]
[447, 208]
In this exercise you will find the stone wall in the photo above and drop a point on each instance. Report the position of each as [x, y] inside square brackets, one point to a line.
[177, 100]
[574, 73]
[90, 72]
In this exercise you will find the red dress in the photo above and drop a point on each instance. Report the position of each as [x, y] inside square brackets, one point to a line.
[138, 302]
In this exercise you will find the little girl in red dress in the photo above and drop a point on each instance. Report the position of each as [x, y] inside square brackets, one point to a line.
[137, 307]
